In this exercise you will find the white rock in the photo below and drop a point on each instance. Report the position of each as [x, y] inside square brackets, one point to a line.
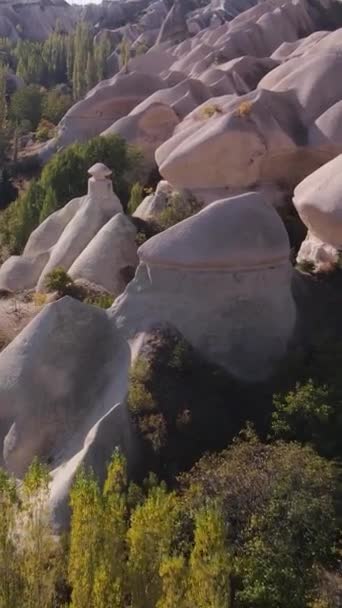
[146, 129]
[108, 254]
[222, 278]
[154, 204]
[323, 256]
[228, 141]
[318, 201]
[313, 78]
[63, 382]
[62, 237]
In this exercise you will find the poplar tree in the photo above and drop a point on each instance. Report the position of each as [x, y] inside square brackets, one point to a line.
[3, 103]
[150, 539]
[111, 572]
[82, 46]
[10, 581]
[39, 549]
[174, 576]
[210, 563]
[91, 73]
[85, 538]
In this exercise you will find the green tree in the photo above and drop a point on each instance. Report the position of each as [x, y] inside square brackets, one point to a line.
[91, 72]
[38, 546]
[3, 103]
[55, 105]
[137, 196]
[85, 539]
[173, 572]
[210, 562]
[125, 54]
[82, 47]
[150, 538]
[49, 205]
[102, 50]
[10, 580]
[111, 574]
[310, 413]
[278, 504]
[26, 104]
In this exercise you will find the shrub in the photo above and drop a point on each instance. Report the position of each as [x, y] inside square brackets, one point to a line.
[309, 414]
[244, 110]
[45, 130]
[210, 110]
[306, 266]
[137, 196]
[55, 105]
[39, 299]
[104, 300]
[26, 104]
[59, 280]
[177, 210]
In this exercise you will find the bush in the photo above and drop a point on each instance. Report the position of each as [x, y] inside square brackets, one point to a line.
[26, 104]
[55, 105]
[244, 110]
[309, 414]
[210, 110]
[104, 300]
[45, 130]
[137, 196]
[59, 280]
[177, 210]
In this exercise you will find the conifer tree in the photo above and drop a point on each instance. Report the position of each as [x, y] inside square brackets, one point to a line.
[210, 564]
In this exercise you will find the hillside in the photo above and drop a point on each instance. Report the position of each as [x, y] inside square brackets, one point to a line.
[170, 284]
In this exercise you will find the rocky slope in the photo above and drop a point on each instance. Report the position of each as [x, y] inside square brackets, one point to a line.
[237, 111]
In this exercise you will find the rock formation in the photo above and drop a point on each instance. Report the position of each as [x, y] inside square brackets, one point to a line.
[66, 234]
[319, 204]
[222, 278]
[237, 104]
[51, 382]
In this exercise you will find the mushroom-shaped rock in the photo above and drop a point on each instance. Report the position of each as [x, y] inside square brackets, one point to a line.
[99, 171]
[222, 278]
[60, 239]
[109, 254]
[318, 201]
[228, 141]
